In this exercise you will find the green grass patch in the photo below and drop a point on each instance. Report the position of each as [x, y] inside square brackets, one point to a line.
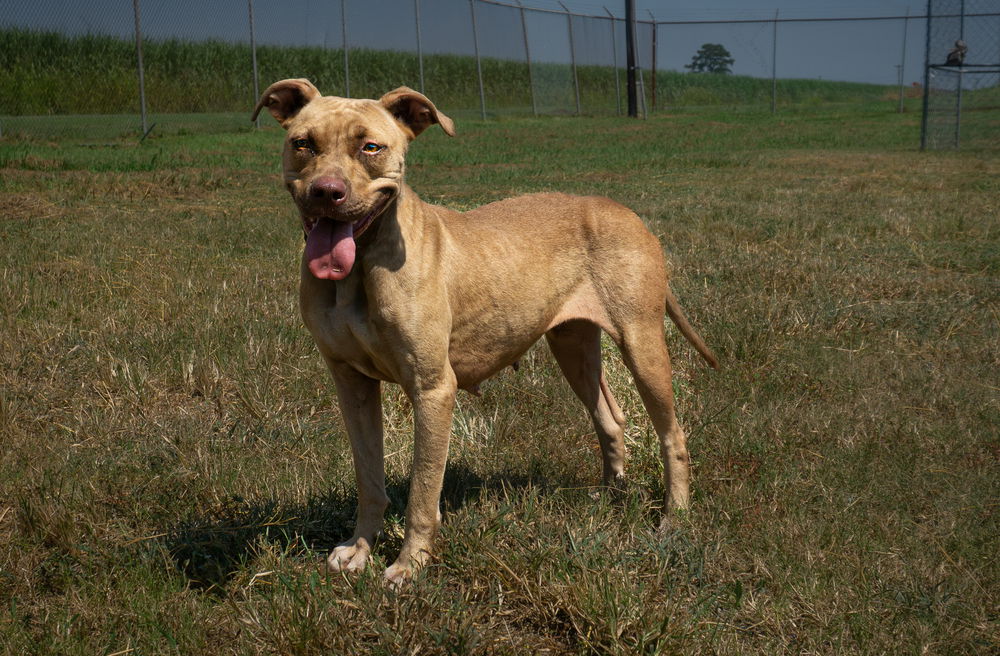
[48, 74]
[175, 468]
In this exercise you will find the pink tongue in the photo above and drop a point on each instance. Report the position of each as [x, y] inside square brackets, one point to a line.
[330, 249]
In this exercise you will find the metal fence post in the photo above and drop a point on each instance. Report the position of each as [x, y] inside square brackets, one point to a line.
[961, 74]
[642, 91]
[527, 58]
[253, 57]
[479, 66]
[139, 67]
[653, 79]
[343, 37]
[774, 65]
[572, 57]
[902, 59]
[420, 51]
[633, 105]
[614, 61]
[927, 79]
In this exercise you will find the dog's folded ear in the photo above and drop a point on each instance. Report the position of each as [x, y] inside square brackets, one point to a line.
[284, 99]
[415, 112]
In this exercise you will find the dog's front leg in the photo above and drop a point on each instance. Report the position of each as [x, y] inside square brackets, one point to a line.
[360, 404]
[432, 414]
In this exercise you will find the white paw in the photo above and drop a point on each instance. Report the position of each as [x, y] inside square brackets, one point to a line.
[352, 556]
[397, 576]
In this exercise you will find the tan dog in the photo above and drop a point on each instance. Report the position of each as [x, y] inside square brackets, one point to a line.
[394, 289]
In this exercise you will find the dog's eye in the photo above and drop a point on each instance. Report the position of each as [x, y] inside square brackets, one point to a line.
[371, 148]
[301, 144]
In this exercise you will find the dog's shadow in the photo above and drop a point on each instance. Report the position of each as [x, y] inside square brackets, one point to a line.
[209, 550]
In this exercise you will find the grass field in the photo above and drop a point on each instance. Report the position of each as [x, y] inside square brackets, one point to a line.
[174, 469]
[45, 74]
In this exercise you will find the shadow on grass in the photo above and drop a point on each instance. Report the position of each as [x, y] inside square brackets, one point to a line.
[211, 549]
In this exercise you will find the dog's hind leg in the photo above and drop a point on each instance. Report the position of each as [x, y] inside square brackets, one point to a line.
[645, 353]
[576, 346]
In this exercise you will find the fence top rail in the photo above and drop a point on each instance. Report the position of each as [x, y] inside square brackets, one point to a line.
[825, 19]
[563, 12]
[720, 21]
[967, 68]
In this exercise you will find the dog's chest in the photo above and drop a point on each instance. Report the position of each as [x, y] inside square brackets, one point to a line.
[343, 330]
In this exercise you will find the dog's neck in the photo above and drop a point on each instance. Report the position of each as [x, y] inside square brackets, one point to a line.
[406, 232]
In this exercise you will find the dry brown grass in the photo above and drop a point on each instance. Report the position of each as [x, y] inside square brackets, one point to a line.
[174, 467]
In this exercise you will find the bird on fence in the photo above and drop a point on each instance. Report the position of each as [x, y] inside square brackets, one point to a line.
[957, 55]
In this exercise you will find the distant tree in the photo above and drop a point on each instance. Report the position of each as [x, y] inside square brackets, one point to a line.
[711, 58]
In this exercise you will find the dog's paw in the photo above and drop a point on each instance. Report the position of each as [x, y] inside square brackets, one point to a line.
[397, 576]
[673, 519]
[352, 556]
[400, 573]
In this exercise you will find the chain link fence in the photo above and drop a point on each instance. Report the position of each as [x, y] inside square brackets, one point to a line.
[73, 69]
[962, 104]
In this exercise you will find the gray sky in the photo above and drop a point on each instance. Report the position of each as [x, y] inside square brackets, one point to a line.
[859, 51]
[855, 51]
[727, 9]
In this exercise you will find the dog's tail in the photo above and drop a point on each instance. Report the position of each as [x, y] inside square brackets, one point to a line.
[675, 314]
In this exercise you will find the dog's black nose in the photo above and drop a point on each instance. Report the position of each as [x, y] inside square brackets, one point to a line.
[330, 189]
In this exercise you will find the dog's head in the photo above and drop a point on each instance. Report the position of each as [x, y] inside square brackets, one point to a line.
[344, 161]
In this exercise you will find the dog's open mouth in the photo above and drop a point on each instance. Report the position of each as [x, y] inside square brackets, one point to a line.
[330, 246]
